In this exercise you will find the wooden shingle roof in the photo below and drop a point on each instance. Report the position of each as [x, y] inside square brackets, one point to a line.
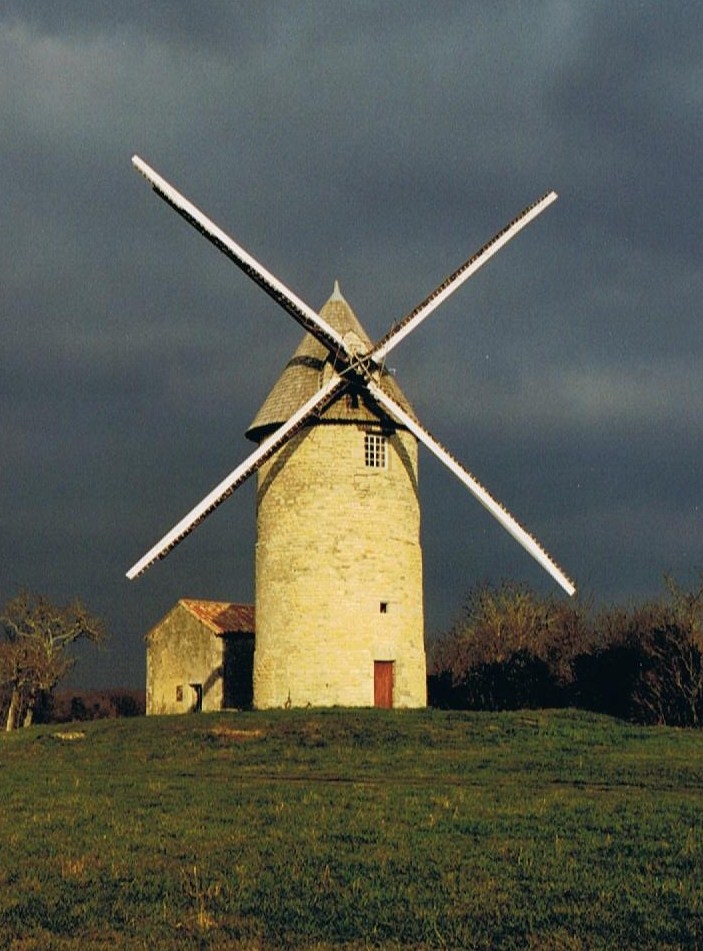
[311, 365]
[222, 617]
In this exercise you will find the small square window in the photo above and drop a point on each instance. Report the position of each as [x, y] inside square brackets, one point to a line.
[179, 694]
[375, 454]
[384, 607]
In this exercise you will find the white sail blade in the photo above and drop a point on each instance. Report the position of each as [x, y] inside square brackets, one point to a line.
[268, 447]
[297, 308]
[455, 280]
[530, 544]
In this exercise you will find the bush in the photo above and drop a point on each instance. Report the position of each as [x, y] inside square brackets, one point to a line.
[647, 664]
[604, 680]
[97, 705]
[511, 649]
[521, 681]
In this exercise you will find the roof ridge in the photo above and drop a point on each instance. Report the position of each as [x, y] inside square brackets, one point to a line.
[337, 294]
[221, 617]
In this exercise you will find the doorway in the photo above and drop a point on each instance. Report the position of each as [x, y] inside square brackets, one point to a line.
[238, 681]
[198, 704]
[383, 671]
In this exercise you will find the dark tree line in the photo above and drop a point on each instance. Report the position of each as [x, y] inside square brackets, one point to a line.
[512, 649]
[82, 705]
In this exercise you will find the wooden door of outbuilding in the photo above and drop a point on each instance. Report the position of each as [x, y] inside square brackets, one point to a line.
[383, 683]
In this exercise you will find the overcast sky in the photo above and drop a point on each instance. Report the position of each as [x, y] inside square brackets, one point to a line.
[379, 143]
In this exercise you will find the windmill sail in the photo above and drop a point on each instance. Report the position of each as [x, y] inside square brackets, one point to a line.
[530, 544]
[290, 302]
[455, 280]
[239, 475]
[354, 367]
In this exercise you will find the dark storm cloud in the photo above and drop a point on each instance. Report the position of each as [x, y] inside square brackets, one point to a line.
[176, 22]
[380, 144]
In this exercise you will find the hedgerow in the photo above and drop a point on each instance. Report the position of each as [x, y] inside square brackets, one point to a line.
[512, 649]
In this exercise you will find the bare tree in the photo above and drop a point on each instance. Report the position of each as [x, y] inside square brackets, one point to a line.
[646, 663]
[33, 653]
[498, 621]
[509, 646]
[671, 687]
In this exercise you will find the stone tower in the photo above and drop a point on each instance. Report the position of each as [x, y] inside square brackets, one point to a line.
[339, 608]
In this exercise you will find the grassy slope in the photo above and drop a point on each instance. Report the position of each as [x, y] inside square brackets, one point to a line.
[364, 829]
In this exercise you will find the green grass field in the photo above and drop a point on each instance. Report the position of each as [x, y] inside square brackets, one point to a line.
[369, 829]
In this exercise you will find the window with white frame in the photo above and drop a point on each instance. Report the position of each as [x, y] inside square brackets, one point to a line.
[375, 454]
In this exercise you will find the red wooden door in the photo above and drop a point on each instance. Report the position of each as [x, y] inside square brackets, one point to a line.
[383, 683]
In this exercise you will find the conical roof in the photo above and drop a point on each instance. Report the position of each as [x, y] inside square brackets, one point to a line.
[311, 365]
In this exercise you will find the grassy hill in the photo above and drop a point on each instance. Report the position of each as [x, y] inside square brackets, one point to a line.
[368, 829]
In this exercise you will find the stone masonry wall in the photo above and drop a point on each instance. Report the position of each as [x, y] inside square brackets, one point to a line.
[181, 651]
[338, 572]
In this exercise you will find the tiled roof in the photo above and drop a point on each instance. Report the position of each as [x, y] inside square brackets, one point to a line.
[222, 617]
[311, 365]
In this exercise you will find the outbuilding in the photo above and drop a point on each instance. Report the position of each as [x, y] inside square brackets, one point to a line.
[200, 657]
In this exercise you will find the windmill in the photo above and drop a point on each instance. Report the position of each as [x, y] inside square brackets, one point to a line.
[339, 611]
